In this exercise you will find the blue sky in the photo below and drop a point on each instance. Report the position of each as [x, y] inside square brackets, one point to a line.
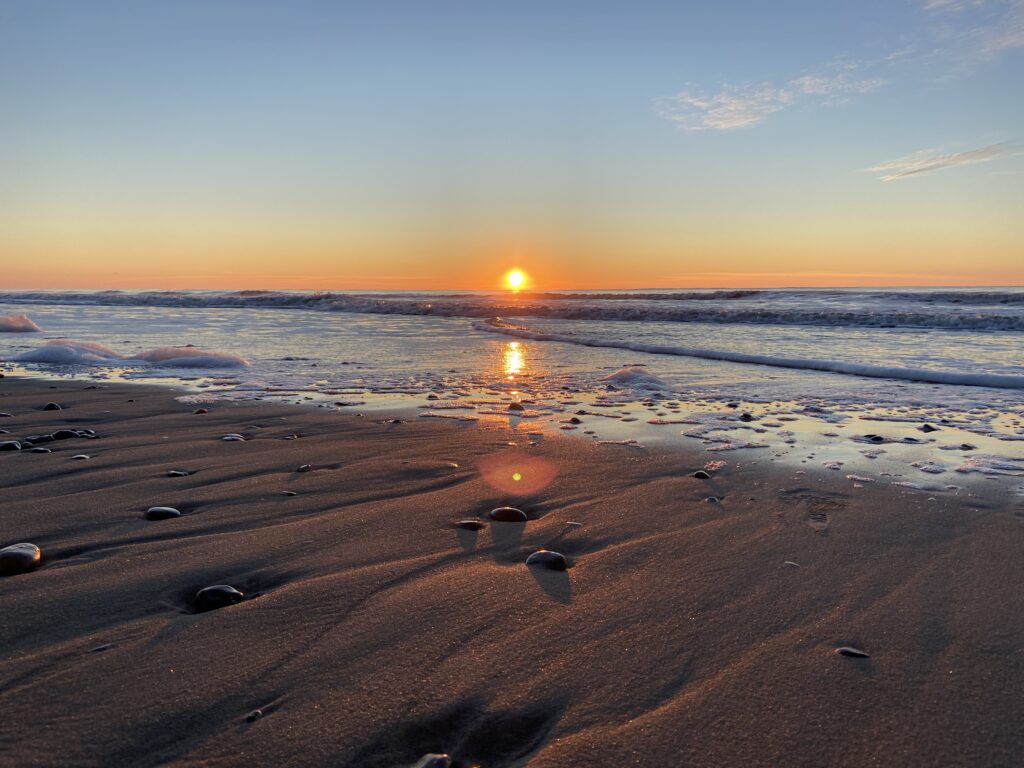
[413, 141]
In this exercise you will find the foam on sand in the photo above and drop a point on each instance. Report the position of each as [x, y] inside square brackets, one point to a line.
[634, 377]
[67, 352]
[17, 324]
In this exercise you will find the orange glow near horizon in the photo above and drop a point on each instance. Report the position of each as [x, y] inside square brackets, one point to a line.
[515, 279]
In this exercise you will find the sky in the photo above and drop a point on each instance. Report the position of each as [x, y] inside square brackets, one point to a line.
[416, 145]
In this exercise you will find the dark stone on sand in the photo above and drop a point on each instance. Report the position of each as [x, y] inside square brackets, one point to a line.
[52, 407]
[394, 421]
[928, 428]
[253, 716]
[6, 415]
[432, 396]
[19, 558]
[161, 513]
[290, 493]
[177, 473]
[199, 411]
[233, 438]
[700, 474]
[545, 558]
[875, 438]
[39, 439]
[855, 653]
[515, 407]
[10, 445]
[39, 449]
[101, 648]
[305, 468]
[967, 447]
[575, 420]
[217, 596]
[508, 515]
[581, 413]
[64, 434]
[712, 500]
[433, 761]
[81, 457]
[746, 417]
[470, 524]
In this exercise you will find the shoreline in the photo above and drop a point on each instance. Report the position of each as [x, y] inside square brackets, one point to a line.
[374, 631]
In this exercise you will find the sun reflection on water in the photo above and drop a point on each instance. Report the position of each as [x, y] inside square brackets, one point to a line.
[513, 359]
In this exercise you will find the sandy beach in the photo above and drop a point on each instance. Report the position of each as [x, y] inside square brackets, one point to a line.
[374, 631]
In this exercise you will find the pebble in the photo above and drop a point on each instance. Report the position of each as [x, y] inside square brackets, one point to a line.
[856, 653]
[545, 558]
[40, 450]
[199, 411]
[217, 596]
[508, 515]
[305, 468]
[177, 473]
[65, 434]
[928, 428]
[290, 493]
[161, 513]
[52, 407]
[712, 500]
[253, 716]
[10, 445]
[101, 648]
[233, 438]
[470, 524]
[434, 761]
[515, 407]
[19, 558]
[700, 474]
[80, 457]
[791, 564]
[5, 415]
[746, 417]
[575, 420]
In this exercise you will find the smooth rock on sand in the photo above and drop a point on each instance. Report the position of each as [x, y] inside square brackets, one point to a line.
[199, 411]
[65, 434]
[19, 558]
[508, 515]
[161, 513]
[545, 558]
[856, 653]
[515, 407]
[233, 438]
[433, 761]
[305, 468]
[10, 445]
[700, 474]
[470, 524]
[177, 473]
[217, 596]
[53, 407]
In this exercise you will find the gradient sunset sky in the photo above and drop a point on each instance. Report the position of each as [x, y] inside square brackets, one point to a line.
[406, 145]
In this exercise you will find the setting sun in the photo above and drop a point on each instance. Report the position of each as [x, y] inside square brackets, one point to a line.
[515, 279]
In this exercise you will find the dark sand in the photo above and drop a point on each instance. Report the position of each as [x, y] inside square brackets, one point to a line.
[374, 631]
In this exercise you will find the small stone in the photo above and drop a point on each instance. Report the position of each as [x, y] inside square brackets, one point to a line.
[575, 420]
[700, 474]
[253, 716]
[217, 596]
[19, 558]
[712, 500]
[470, 524]
[10, 445]
[856, 653]
[508, 515]
[199, 411]
[432, 396]
[928, 428]
[290, 493]
[433, 761]
[233, 438]
[40, 449]
[732, 405]
[65, 434]
[545, 558]
[967, 447]
[515, 407]
[40, 438]
[161, 513]
[177, 473]
[52, 407]
[101, 648]
[791, 564]
[5, 415]
[305, 468]
[80, 457]
[746, 417]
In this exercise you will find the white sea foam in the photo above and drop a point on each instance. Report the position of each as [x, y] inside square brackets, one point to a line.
[635, 377]
[17, 324]
[67, 352]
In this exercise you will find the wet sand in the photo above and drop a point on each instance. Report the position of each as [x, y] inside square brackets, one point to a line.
[374, 631]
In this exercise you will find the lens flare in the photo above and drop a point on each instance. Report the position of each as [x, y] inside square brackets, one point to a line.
[517, 473]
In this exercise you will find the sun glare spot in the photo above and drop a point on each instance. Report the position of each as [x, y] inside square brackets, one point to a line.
[515, 279]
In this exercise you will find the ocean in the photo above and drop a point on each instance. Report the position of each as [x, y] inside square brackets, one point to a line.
[821, 360]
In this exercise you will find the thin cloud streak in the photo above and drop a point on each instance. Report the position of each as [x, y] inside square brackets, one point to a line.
[930, 160]
[741, 106]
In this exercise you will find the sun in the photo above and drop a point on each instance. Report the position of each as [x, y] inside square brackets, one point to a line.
[515, 279]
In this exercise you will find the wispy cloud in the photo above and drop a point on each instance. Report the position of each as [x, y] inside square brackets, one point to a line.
[951, 6]
[741, 106]
[969, 30]
[930, 160]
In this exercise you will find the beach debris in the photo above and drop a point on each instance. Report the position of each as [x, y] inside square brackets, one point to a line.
[217, 596]
[19, 558]
[545, 558]
[700, 474]
[177, 473]
[508, 515]
[470, 524]
[10, 445]
[853, 653]
[161, 513]
[433, 761]
[53, 407]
